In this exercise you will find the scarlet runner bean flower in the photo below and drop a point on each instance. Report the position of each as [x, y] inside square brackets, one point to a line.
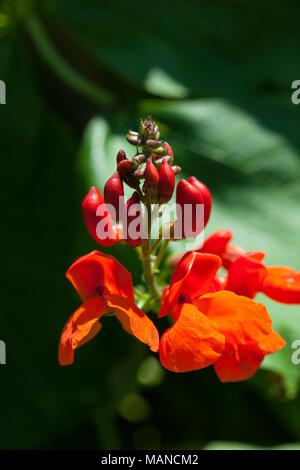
[248, 275]
[215, 320]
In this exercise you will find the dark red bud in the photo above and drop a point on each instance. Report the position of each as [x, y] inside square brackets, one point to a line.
[207, 201]
[100, 227]
[169, 149]
[113, 191]
[124, 168]
[188, 198]
[121, 156]
[151, 176]
[133, 223]
[166, 181]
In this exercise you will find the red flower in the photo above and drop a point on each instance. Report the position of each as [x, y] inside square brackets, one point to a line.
[247, 275]
[222, 328]
[105, 286]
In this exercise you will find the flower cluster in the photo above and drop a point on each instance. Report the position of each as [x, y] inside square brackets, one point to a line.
[214, 318]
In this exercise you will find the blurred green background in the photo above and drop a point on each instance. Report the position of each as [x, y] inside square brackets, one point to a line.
[217, 77]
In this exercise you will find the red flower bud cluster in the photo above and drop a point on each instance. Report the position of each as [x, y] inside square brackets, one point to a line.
[150, 172]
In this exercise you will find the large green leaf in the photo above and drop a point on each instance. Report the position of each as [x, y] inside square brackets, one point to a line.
[175, 51]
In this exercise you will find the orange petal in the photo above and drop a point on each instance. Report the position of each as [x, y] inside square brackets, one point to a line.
[282, 284]
[216, 242]
[241, 362]
[133, 320]
[272, 343]
[192, 278]
[245, 276]
[238, 363]
[239, 319]
[191, 343]
[100, 273]
[81, 327]
[233, 252]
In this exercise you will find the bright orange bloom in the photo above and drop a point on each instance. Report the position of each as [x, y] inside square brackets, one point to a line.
[222, 328]
[212, 325]
[247, 275]
[105, 286]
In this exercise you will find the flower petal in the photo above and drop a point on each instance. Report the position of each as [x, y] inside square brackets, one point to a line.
[100, 272]
[191, 343]
[82, 326]
[216, 242]
[282, 284]
[192, 278]
[241, 320]
[133, 320]
[272, 343]
[238, 363]
[245, 276]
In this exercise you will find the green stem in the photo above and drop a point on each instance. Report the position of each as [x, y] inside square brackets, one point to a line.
[155, 245]
[65, 71]
[148, 264]
[161, 254]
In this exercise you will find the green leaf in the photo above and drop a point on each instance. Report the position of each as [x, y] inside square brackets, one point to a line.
[244, 139]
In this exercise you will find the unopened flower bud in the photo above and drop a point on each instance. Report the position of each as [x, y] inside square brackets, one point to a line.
[133, 222]
[125, 169]
[151, 176]
[153, 143]
[168, 153]
[166, 182]
[140, 172]
[169, 149]
[97, 218]
[207, 200]
[113, 191]
[176, 169]
[149, 129]
[158, 161]
[161, 151]
[191, 197]
[138, 159]
[134, 138]
[121, 156]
